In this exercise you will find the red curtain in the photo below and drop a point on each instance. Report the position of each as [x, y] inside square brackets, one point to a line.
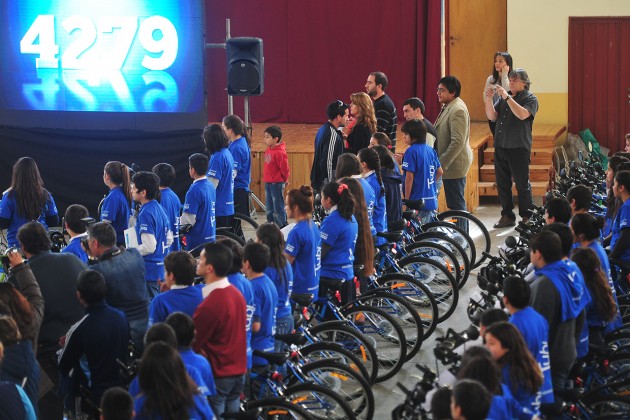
[316, 52]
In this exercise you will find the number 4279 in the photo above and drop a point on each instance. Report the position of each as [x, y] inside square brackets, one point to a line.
[124, 28]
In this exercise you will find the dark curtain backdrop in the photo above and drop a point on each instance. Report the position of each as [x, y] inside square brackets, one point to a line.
[316, 52]
[71, 162]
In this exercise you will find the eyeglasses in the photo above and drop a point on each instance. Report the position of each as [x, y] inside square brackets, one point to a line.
[442, 90]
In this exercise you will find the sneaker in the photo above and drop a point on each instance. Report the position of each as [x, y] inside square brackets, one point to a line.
[504, 222]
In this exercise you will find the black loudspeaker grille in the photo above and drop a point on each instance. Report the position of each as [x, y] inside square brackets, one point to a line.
[245, 66]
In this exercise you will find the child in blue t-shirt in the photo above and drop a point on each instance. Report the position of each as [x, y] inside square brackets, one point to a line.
[169, 200]
[16, 209]
[371, 169]
[238, 280]
[339, 232]
[281, 274]
[303, 247]
[240, 148]
[116, 206]
[199, 205]
[76, 227]
[620, 241]
[152, 229]
[421, 167]
[221, 173]
[255, 261]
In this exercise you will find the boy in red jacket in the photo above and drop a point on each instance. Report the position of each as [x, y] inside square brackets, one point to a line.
[275, 175]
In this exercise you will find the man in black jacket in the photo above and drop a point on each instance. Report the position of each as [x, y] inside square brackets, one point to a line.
[328, 145]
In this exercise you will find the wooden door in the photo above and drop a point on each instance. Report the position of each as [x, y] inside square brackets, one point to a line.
[599, 78]
[475, 31]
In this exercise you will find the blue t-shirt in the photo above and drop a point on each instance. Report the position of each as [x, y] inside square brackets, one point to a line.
[341, 235]
[422, 160]
[192, 359]
[265, 302]
[200, 200]
[370, 202]
[380, 207]
[200, 411]
[222, 169]
[74, 247]
[283, 288]
[116, 210]
[172, 207]
[304, 243]
[622, 221]
[522, 396]
[504, 407]
[183, 300]
[535, 331]
[9, 210]
[239, 281]
[153, 220]
[242, 163]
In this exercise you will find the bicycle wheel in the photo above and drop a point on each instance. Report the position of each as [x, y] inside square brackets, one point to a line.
[323, 350]
[278, 408]
[244, 227]
[441, 254]
[403, 313]
[352, 340]
[457, 234]
[452, 245]
[319, 402]
[476, 230]
[386, 335]
[440, 282]
[606, 406]
[417, 294]
[344, 381]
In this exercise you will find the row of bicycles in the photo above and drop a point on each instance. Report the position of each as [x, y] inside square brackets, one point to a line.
[601, 381]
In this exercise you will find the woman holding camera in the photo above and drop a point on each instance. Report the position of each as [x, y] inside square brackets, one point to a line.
[26, 200]
[502, 65]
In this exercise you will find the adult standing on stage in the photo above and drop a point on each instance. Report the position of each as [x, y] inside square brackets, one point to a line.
[453, 131]
[240, 148]
[514, 115]
[386, 118]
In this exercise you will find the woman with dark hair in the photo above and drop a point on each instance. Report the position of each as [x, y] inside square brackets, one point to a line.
[620, 236]
[503, 63]
[19, 365]
[364, 249]
[520, 371]
[25, 303]
[26, 200]
[363, 126]
[240, 148]
[612, 202]
[281, 274]
[339, 232]
[371, 170]
[117, 205]
[392, 182]
[349, 166]
[220, 173]
[303, 245]
[167, 390]
[602, 309]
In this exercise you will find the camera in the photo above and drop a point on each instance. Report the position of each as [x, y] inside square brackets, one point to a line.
[6, 264]
[444, 350]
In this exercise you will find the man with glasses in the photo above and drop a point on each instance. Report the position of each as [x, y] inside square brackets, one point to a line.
[514, 114]
[453, 131]
[329, 145]
[386, 117]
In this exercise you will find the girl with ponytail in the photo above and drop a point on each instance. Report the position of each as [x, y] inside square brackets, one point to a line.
[371, 169]
[117, 206]
[339, 232]
[303, 247]
[240, 148]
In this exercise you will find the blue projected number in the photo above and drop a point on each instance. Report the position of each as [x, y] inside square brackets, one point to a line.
[104, 44]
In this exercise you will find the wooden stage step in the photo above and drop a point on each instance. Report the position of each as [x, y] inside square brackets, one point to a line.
[487, 188]
[536, 173]
[539, 156]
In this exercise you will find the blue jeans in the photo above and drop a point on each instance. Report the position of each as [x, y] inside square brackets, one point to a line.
[137, 329]
[228, 397]
[284, 325]
[274, 201]
[455, 192]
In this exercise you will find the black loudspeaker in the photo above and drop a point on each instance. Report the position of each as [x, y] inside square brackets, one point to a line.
[245, 66]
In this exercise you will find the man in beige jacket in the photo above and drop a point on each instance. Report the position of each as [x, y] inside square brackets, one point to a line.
[453, 133]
